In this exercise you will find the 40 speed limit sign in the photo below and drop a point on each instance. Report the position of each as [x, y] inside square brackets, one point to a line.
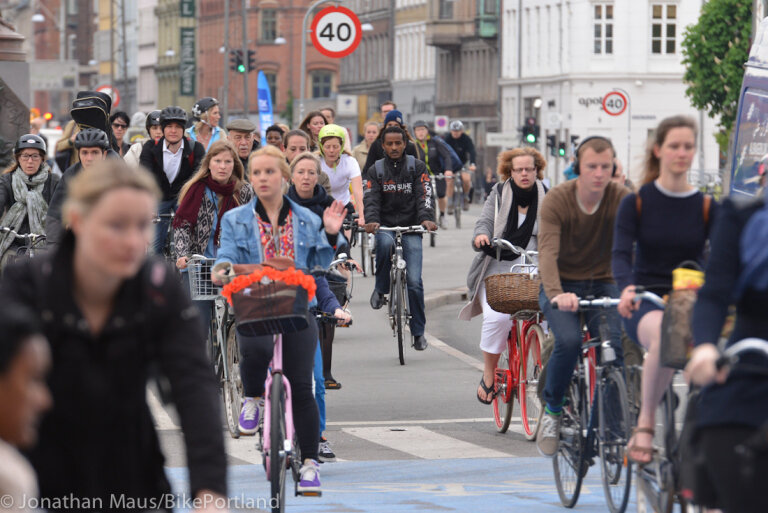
[336, 32]
[614, 103]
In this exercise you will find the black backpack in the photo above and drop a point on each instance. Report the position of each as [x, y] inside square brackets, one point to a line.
[410, 165]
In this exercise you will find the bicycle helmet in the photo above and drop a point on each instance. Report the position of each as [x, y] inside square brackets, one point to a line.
[153, 119]
[173, 114]
[456, 125]
[29, 141]
[202, 105]
[92, 138]
[419, 123]
[331, 131]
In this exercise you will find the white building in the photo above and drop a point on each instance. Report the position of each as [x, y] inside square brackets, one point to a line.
[560, 59]
[413, 86]
[147, 56]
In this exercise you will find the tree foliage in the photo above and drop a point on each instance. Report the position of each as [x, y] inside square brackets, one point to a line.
[715, 50]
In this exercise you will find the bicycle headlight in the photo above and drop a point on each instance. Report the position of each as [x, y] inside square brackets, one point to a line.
[401, 263]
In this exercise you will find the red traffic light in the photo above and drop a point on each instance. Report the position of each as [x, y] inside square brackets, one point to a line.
[47, 116]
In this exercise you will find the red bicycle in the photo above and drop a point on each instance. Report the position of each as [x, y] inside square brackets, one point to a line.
[519, 367]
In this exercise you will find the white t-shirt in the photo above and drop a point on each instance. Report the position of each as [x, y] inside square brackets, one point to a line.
[345, 171]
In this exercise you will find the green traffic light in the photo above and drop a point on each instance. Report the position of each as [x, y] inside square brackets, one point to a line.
[562, 152]
[530, 138]
[241, 68]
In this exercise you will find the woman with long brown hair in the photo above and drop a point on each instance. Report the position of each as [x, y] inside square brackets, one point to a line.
[512, 211]
[311, 124]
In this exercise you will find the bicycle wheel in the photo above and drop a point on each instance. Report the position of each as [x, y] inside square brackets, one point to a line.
[613, 429]
[277, 463]
[458, 200]
[399, 314]
[233, 386]
[569, 463]
[530, 370]
[504, 402]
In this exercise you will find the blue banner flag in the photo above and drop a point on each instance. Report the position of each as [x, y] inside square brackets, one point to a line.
[265, 106]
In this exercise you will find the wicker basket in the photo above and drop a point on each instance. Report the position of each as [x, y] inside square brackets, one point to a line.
[512, 292]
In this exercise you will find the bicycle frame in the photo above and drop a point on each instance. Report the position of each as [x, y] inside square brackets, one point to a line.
[276, 372]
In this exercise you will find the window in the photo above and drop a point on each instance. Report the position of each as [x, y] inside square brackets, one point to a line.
[603, 36]
[663, 28]
[446, 9]
[268, 25]
[321, 84]
[72, 8]
[489, 7]
[272, 82]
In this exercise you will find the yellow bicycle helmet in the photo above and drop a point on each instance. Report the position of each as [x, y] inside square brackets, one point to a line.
[331, 131]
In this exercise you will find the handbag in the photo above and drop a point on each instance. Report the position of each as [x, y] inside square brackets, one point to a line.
[676, 332]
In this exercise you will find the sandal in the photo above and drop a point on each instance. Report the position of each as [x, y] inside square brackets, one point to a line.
[490, 392]
[332, 384]
[633, 447]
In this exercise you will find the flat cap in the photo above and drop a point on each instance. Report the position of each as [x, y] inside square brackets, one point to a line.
[242, 125]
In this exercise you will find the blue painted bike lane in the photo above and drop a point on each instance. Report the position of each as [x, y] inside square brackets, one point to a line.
[462, 485]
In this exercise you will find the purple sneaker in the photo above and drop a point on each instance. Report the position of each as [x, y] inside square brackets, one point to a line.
[249, 417]
[309, 482]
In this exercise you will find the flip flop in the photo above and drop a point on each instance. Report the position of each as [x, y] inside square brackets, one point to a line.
[633, 447]
[490, 392]
[332, 384]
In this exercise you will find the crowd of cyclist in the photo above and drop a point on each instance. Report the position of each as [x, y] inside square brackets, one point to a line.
[114, 318]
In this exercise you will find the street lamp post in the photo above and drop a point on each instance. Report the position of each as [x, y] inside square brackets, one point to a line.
[303, 78]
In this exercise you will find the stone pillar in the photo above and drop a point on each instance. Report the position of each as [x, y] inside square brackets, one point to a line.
[14, 91]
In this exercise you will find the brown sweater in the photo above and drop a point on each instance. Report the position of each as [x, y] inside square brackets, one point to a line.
[574, 245]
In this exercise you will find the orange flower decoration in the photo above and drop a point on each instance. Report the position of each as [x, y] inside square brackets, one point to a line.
[290, 276]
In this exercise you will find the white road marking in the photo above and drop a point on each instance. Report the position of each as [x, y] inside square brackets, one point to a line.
[352, 423]
[163, 421]
[243, 448]
[442, 346]
[423, 443]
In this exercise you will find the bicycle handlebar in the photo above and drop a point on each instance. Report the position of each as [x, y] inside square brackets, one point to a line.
[404, 229]
[499, 244]
[748, 345]
[32, 237]
[610, 302]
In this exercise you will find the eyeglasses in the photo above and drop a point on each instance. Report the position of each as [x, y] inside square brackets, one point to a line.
[524, 170]
[28, 156]
[119, 125]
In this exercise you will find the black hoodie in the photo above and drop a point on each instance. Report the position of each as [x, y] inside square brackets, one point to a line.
[400, 198]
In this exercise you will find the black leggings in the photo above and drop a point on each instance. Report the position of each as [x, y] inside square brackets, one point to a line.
[298, 362]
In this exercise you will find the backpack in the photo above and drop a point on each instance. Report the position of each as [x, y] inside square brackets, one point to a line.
[704, 207]
[410, 163]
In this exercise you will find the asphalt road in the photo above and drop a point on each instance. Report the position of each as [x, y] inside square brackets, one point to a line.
[413, 437]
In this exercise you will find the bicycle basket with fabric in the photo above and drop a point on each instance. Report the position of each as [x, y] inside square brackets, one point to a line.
[676, 333]
[270, 298]
[336, 282]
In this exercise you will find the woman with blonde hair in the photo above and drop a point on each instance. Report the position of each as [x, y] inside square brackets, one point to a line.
[512, 212]
[111, 315]
[206, 130]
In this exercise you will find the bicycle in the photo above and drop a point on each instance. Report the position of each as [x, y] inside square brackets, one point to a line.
[519, 368]
[168, 245]
[30, 241]
[457, 200]
[367, 244]
[399, 313]
[596, 418]
[223, 348]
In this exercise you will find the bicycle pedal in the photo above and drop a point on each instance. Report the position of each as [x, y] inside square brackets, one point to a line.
[310, 494]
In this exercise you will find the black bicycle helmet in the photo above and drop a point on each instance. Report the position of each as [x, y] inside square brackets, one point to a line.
[29, 141]
[173, 114]
[153, 119]
[202, 105]
[92, 138]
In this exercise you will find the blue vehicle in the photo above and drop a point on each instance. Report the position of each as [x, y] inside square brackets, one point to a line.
[749, 155]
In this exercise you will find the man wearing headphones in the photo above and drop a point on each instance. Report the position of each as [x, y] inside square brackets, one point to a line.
[575, 240]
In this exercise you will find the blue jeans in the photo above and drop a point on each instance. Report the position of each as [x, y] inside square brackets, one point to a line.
[566, 327]
[319, 387]
[385, 245]
[161, 228]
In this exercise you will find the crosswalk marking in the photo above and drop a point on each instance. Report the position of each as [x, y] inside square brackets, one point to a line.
[423, 443]
[352, 423]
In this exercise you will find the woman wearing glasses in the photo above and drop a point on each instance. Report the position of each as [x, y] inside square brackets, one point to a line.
[120, 122]
[511, 212]
[26, 187]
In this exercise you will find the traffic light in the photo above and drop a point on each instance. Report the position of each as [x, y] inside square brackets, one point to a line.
[574, 140]
[236, 61]
[551, 143]
[251, 60]
[561, 149]
[530, 130]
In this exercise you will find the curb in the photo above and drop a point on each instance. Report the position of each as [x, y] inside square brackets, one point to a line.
[444, 297]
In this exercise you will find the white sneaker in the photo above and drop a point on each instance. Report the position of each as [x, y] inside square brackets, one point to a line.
[309, 480]
[548, 439]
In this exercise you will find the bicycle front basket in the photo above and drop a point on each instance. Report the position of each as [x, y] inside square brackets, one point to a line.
[201, 288]
[270, 307]
[512, 292]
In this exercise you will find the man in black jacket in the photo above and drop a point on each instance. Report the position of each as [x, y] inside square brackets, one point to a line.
[462, 144]
[399, 193]
[172, 160]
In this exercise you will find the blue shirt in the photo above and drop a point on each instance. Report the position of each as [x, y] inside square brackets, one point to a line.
[215, 135]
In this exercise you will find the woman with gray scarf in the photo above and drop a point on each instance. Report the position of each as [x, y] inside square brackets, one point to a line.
[511, 212]
[26, 187]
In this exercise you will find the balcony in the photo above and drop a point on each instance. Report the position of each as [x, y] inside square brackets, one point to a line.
[453, 21]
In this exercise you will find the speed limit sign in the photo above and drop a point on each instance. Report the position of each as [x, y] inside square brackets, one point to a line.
[336, 32]
[614, 103]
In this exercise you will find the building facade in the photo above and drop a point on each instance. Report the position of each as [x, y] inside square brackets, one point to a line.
[562, 59]
[147, 58]
[273, 33]
[170, 27]
[465, 33]
[413, 85]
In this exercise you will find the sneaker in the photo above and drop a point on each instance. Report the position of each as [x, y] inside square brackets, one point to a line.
[450, 211]
[549, 434]
[309, 478]
[249, 417]
[441, 222]
[325, 454]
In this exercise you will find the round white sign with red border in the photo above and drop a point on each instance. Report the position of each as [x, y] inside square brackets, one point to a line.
[112, 94]
[614, 103]
[336, 32]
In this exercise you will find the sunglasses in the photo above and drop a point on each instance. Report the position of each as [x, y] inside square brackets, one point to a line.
[119, 125]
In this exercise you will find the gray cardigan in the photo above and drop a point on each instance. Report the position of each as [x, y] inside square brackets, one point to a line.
[497, 207]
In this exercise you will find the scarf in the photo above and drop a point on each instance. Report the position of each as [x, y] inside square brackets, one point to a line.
[319, 201]
[30, 204]
[190, 207]
[519, 236]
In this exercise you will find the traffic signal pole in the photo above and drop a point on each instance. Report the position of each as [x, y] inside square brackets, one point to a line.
[246, 108]
[225, 92]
